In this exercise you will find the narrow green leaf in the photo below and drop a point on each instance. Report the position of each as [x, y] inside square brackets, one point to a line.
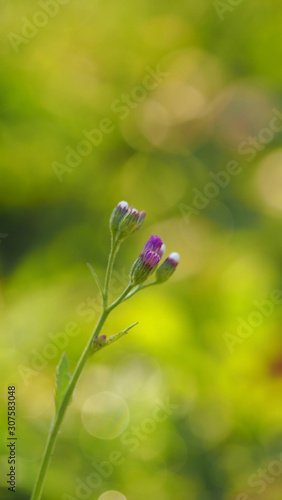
[95, 275]
[114, 338]
[102, 341]
[62, 380]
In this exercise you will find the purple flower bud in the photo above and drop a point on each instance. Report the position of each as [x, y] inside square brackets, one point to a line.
[103, 338]
[118, 214]
[98, 342]
[155, 244]
[168, 267]
[122, 205]
[132, 221]
[150, 259]
[147, 260]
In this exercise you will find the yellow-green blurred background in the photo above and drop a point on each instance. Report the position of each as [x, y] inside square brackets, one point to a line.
[220, 84]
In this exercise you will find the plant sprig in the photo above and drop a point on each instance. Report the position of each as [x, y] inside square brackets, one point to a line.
[124, 221]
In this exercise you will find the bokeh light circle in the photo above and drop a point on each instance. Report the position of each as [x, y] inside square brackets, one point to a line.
[105, 415]
[112, 495]
[138, 377]
[212, 420]
[269, 181]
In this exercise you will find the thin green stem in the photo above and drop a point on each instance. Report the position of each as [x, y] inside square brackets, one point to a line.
[57, 421]
[139, 288]
[114, 249]
[121, 298]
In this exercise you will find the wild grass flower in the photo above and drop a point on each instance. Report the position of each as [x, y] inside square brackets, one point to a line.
[166, 270]
[147, 261]
[124, 221]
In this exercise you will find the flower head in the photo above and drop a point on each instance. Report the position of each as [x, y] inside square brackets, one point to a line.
[125, 220]
[132, 221]
[154, 244]
[118, 214]
[147, 261]
[168, 267]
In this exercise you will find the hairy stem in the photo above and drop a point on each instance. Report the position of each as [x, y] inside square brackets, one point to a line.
[121, 298]
[131, 292]
[114, 249]
[57, 421]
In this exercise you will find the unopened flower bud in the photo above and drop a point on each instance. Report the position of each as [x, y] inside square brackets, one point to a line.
[101, 340]
[155, 244]
[132, 221]
[147, 260]
[165, 271]
[118, 214]
[97, 342]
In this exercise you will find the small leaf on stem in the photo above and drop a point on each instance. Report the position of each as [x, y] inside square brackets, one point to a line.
[113, 338]
[102, 341]
[95, 275]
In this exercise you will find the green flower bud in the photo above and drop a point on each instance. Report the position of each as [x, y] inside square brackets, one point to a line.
[165, 271]
[132, 221]
[118, 213]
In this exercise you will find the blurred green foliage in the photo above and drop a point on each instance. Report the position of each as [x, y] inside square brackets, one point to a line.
[222, 82]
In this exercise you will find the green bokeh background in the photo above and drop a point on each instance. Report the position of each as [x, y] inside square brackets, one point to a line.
[223, 80]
